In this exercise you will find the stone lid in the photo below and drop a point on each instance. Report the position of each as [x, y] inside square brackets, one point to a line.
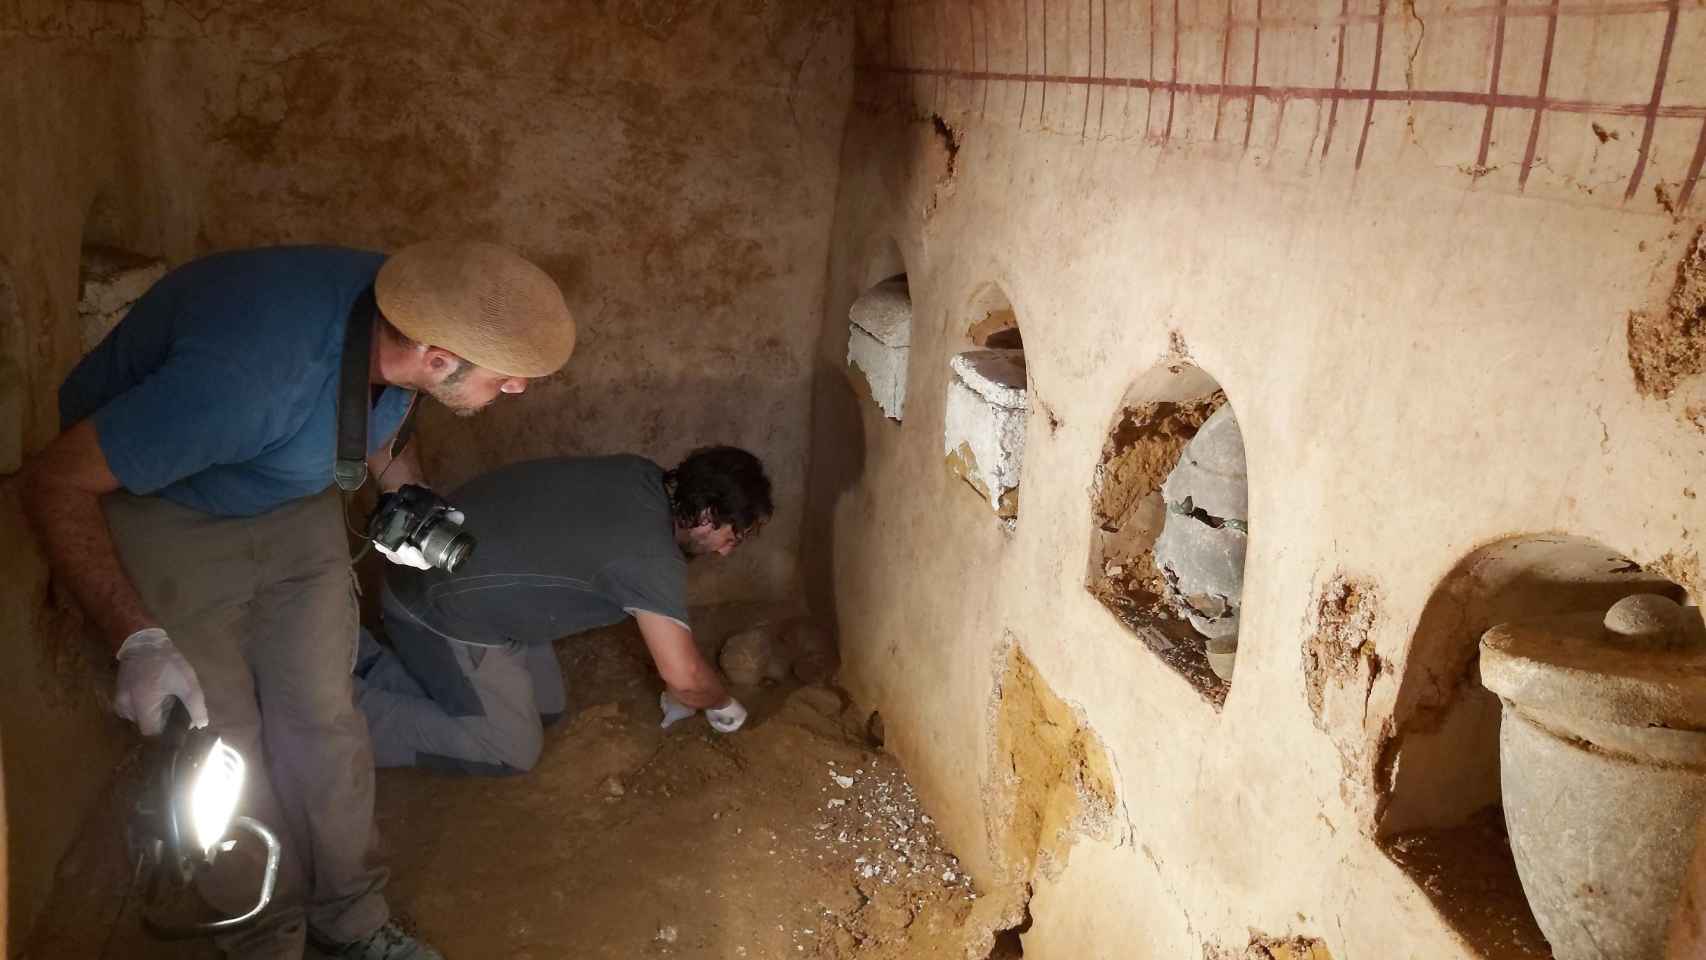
[1569, 665]
[885, 312]
[997, 376]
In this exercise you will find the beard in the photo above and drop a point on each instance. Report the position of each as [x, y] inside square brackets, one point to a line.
[452, 392]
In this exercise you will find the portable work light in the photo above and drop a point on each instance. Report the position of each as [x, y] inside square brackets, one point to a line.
[180, 822]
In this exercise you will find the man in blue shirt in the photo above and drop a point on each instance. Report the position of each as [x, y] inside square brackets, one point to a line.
[187, 505]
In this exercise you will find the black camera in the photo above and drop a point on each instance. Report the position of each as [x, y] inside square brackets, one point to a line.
[415, 516]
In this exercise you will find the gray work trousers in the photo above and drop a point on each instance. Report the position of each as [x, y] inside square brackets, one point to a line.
[264, 610]
[434, 701]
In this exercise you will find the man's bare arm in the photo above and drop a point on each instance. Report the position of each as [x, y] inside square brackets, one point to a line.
[690, 679]
[62, 488]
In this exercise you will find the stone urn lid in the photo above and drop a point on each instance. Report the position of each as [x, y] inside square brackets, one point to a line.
[1614, 669]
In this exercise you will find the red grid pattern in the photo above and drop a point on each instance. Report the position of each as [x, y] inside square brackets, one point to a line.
[1161, 41]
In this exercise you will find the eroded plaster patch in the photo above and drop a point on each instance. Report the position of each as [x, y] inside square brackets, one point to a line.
[1349, 686]
[1667, 343]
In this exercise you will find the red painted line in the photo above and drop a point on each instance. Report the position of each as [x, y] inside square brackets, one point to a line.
[1373, 82]
[1492, 88]
[1089, 63]
[1539, 112]
[1102, 114]
[1338, 81]
[1025, 98]
[939, 14]
[1172, 85]
[1474, 13]
[912, 41]
[1472, 98]
[1653, 104]
[986, 83]
[1225, 58]
[1042, 110]
[1694, 166]
[1149, 106]
[971, 41]
[1255, 65]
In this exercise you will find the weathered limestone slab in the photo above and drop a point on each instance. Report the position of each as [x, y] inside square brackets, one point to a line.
[1603, 773]
[1211, 473]
[1202, 543]
[879, 340]
[885, 312]
[983, 432]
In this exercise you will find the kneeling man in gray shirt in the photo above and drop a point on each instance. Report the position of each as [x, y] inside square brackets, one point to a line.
[564, 545]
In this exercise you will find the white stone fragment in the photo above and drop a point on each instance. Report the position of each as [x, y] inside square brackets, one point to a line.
[884, 369]
[997, 376]
[885, 312]
[1211, 472]
[984, 420]
[842, 782]
[879, 340]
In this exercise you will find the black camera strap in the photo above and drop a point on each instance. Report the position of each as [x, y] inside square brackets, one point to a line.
[354, 388]
[355, 397]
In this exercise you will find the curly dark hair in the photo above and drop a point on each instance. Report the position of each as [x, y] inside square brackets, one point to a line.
[727, 481]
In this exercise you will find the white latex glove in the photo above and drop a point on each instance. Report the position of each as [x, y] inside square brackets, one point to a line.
[151, 672]
[727, 719]
[407, 555]
[673, 710]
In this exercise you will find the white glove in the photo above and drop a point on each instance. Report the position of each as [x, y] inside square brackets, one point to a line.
[727, 719]
[407, 555]
[673, 710]
[151, 672]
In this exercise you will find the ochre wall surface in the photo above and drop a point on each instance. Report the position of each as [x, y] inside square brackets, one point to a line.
[1410, 242]
[671, 164]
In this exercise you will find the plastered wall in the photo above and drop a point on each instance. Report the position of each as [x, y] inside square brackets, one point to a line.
[1418, 247]
[671, 164]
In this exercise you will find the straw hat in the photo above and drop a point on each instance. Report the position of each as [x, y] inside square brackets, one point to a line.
[480, 301]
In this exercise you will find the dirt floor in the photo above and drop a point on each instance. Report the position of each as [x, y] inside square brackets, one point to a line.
[796, 837]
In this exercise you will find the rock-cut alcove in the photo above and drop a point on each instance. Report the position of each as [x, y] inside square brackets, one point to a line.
[1170, 506]
[983, 429]
[1441, 817]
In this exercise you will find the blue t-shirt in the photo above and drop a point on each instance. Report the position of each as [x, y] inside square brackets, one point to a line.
[218, 391]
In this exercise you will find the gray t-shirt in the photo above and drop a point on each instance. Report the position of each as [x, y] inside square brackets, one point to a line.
[563, 545]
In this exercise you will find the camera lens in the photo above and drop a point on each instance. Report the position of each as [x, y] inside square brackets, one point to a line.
[445, 545]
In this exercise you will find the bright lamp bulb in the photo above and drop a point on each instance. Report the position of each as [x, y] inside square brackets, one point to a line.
[213, 799]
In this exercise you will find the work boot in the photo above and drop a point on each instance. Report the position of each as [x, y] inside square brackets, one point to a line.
[387, 943]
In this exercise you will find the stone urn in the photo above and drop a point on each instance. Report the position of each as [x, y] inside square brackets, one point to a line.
[1602, 760]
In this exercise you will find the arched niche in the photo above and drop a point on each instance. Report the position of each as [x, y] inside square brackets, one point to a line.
[879, 332]
[983, 432]
[1442, 819]
[1169, 500]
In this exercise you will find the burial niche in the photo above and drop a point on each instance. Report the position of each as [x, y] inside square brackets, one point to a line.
[1170, 503]
[983, 430]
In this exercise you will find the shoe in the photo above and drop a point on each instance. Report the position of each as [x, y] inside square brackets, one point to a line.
[387, 943]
